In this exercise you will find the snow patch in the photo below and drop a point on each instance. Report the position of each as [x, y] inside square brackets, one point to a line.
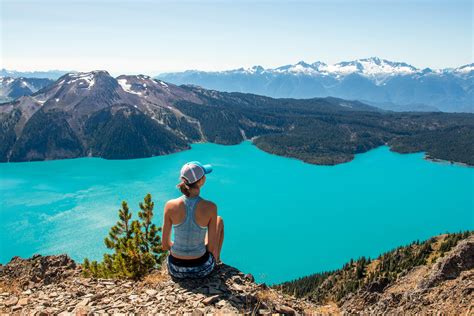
[163, 84]
[127, 87]
[84, 79]
[346, 105]
[6, 80]
[465, 69]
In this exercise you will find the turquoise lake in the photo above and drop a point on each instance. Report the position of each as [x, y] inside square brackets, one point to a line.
[283, 218]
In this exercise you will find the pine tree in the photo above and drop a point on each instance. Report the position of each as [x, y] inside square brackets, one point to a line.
[121, 228]
[136, 244]
[151, 234]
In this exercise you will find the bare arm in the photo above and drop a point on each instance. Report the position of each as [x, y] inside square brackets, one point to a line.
[212, 232]
[166, 236]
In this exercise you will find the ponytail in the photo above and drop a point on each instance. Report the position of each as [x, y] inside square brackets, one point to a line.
[186, 188]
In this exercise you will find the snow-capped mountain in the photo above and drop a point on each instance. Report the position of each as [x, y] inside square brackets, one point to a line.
[95, 114]
[387, 84]
[12, 88]
[373, 66]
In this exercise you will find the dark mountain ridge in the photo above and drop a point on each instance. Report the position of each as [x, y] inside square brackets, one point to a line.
[95, 114]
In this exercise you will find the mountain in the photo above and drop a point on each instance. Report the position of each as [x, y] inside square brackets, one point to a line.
[12, 88]
[432, 277]
[95, 114]
[49, 74]
[397, 85]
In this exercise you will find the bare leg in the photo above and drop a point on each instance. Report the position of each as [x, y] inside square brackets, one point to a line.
[220, 237]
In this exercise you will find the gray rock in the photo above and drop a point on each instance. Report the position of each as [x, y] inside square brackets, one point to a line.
[249, 277]
[210, 300]
[84, 302]
[11, 301]
[151, 292]
[450, 267]
[283, 309]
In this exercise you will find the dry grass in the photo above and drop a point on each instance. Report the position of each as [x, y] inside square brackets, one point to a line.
[267, 295]
[264, 296]
[435, 246]
[329, 309]
[156, 277]
[372, 266]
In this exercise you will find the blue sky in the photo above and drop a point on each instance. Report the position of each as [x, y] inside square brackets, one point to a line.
[140, 36]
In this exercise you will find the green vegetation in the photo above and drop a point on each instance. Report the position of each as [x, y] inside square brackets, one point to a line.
[7, 132]
[445, 144]
[126, 133]
[324, 131]
[47, 132]
[328, 131]
[373, 275]
[136, 245]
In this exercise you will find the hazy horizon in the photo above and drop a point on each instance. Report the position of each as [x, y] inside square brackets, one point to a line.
[152, 37]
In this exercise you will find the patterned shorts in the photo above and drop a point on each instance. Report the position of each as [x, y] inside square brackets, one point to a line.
[192, 269]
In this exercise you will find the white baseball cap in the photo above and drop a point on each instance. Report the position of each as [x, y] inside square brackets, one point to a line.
[193, 171]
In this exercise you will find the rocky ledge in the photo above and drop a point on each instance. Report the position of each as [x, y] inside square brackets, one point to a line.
[445, 287]
[54, 285]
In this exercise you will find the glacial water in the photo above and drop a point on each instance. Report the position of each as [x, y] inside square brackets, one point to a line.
[283, 218]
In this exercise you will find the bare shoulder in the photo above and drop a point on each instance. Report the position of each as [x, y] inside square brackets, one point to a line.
[172, 204]
[209, 206]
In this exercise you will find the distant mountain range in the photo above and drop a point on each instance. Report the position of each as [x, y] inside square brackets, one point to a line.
[95, 114]
[386, 84]
[49, 74]
[12, 88]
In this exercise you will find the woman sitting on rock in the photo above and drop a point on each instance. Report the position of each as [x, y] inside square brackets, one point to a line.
[198, 231]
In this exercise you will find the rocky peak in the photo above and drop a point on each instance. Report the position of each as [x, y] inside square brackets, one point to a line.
[141, 85]
[257, 69]
[53, 284]
[84, 79]
[13, 88]
[318, 64]
[466, 69]
[94, 88]
[445, 286]
[452, 265]
[38, 270]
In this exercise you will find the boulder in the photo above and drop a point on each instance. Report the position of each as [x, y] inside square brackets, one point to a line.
[450, 266]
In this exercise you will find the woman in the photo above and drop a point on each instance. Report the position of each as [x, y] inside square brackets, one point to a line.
[198, 231]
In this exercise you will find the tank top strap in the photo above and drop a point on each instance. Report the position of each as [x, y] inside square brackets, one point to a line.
[190, 204]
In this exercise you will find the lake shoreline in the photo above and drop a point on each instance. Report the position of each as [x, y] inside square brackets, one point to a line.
[427, 157]
[447, 162]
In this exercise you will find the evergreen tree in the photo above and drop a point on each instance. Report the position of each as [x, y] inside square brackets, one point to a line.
[136, 245]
